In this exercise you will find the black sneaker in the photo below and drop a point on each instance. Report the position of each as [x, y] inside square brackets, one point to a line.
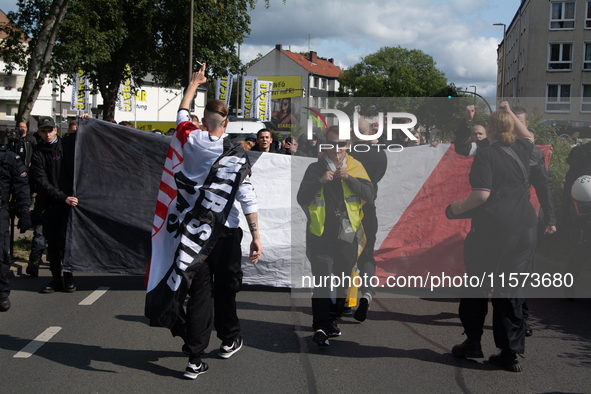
[229, 348]
[469, 348]
[4, 304]
[69, 285]
[32, 270]
[53, 286]
[506, 360]
[320, 338]
[333, 329]
[361, 312]
[192, 370]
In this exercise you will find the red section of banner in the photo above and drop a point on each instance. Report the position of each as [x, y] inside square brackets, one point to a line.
[424, 240]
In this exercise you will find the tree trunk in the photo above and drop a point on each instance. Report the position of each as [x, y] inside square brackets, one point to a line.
[109, 78]
[39, 63]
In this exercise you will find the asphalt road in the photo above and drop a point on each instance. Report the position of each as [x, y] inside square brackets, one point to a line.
[404, 346]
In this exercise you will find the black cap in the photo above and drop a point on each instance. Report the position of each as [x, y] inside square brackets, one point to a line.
[251, 136]
[46, 121]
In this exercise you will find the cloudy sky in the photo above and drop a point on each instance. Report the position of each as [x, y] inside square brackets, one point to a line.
[458, 34]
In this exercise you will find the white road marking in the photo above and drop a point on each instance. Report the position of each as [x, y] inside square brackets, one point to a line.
[36, 343]
[94, 296]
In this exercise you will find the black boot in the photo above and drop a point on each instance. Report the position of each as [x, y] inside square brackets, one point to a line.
[33, 267]
[469, 348]
[69, 282]
[4, 304]
[55, 285]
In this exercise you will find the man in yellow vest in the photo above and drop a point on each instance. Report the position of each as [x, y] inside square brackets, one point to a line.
[331, 194]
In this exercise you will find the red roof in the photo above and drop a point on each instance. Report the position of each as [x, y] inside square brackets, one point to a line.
[321, 67]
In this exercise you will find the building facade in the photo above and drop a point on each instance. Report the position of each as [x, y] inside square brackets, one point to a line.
[544, 60]
[318, 77]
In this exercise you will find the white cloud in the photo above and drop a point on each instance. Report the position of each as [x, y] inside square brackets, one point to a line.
[452, 31]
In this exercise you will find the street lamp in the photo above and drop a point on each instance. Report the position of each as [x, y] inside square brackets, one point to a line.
[238, 80]
[504, 55]
[474, 86]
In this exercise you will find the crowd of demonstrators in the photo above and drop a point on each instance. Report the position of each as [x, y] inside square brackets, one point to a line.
[13, 174]
[208, 304]
[576, 207]
[332, 193]
[502, 237]
[375, 163]
[54, 183]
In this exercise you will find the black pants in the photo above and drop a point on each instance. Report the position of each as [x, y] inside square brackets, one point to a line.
[214, 288]
[512, 254]
[329, 256]
[4, 253]
[366, 262]
[38, 243]
[55, 222]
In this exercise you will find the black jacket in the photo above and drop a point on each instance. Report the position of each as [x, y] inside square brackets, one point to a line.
[46, 166]
[13, 175]
[539, 175]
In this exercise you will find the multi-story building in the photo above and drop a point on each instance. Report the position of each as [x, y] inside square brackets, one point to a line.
[317, 76]
[544, 61]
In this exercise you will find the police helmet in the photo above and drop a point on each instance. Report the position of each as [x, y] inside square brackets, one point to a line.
[581, 195]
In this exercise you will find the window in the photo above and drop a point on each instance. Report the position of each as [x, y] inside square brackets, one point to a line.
[588, 16]
[523, 21]
[560, 57]
[586, 99]
[587, 57]
[562, 15]
[7, 81]
[314, 101]
[322, 102]
[316, 82]
[558, 98]
[323, 84]
[11, 110]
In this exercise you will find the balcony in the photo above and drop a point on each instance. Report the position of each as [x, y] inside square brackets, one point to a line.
[8, 92]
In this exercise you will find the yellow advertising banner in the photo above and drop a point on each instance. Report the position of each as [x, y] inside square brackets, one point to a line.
[285, 83]
[162, 126]
[284, 110]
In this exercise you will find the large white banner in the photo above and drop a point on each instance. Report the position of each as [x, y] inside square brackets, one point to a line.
[223, 88]
[263, 101]
[79, 101]
[249, 92]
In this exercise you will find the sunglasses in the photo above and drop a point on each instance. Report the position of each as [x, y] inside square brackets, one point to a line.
[340, 144]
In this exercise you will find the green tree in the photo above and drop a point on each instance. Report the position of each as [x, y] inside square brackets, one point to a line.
[102, 37]
[28, 45]
[394, 72]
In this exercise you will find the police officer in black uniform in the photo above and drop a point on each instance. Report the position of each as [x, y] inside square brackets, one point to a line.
[13, 176]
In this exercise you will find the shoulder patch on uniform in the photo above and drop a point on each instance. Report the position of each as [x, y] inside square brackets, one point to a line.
[17, 157]
[23, 174]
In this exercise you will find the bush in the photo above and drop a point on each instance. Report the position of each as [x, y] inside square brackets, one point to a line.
[546, 134]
